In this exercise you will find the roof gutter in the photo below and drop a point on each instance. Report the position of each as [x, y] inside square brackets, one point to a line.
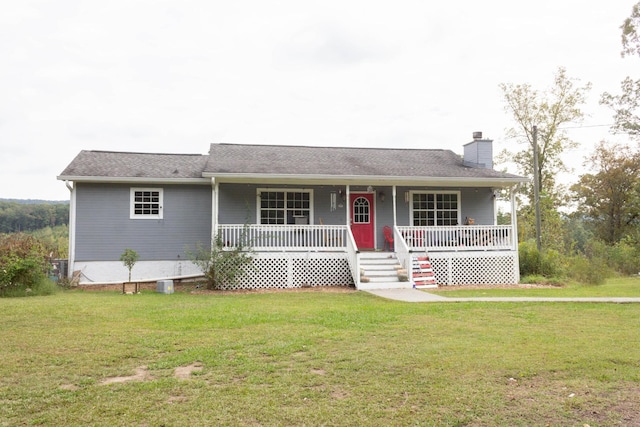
[366, 179]
[144, 180]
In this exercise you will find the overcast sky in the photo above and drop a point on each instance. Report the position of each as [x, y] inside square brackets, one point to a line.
[174, 76]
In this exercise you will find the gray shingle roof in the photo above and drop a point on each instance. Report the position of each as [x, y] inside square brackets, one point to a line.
[336, 161]
[109, 164]
[281, 160]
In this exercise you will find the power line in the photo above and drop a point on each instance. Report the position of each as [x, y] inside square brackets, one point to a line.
[585, 126]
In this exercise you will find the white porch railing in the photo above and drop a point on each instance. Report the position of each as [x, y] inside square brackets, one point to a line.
[285, 237]
[459, 238]
[353, 258]
[402, 251]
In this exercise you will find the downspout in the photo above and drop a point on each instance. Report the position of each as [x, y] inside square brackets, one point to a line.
[72, 229]
[214, 210]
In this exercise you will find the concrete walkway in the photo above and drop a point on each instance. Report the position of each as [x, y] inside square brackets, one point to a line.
[416, 295]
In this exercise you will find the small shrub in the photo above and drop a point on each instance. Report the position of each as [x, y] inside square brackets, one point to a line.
[223, 265]
[551, 263]
[623, 257]
[541, 280]
[548, 263]
[23, 264]
[529, 258]
[42, 287]
[586, 271]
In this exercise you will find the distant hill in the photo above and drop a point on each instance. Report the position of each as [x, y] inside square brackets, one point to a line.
[30, 215]
[36, 201]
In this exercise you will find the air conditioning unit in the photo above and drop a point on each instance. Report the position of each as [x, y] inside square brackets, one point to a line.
[165, 286]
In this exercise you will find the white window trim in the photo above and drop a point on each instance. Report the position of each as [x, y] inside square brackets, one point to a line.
[286, 190]
[411, 193]
[132, 202]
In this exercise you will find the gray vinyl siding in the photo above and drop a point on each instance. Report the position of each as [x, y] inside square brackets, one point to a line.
[477, 203]
[237, 204]
[104, 229]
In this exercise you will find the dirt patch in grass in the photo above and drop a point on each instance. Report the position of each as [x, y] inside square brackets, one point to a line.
[141, 375]
[617, 406]
[184, 372]
[620, 406]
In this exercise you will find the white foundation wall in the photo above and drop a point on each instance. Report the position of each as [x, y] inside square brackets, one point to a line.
[107, 272]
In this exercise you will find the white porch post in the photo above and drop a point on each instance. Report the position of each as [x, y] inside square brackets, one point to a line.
[495, 206]
[514, 218]
[514, 224]
[348, 205]
[393, 193]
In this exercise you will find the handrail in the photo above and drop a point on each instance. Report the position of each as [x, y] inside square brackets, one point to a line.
[403, 253]
[353, 258]
[459, 238]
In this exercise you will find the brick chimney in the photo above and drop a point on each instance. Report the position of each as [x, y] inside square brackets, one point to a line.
[479, 152]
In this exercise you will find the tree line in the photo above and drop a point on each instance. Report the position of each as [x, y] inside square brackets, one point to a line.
[25, 217]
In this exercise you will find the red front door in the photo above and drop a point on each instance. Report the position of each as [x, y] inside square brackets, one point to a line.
[362, 225]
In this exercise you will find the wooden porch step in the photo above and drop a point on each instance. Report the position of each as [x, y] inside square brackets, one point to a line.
[379, 267]
[423, 275]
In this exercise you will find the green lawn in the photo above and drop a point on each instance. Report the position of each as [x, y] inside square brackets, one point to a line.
[617, 287]
[312, 358]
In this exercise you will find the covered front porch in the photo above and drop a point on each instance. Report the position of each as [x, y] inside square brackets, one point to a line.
[313, 255]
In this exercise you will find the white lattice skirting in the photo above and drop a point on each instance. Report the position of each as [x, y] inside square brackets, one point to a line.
[476, 268]
[295, 270]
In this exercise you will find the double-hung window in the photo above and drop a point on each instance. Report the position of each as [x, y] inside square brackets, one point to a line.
[435, 208]
[284, 206]
[146, 203]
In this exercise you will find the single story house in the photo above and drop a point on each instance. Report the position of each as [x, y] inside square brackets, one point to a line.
[367, 217]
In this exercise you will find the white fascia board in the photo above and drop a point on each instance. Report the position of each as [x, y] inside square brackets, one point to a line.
[134, 180]
[368, 179]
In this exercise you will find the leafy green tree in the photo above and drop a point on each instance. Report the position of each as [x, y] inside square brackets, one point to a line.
[610, 197]
[630, 37]
[552, 224]
[129, 258]
[549, 110]
[55, 239]
[625, 105]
